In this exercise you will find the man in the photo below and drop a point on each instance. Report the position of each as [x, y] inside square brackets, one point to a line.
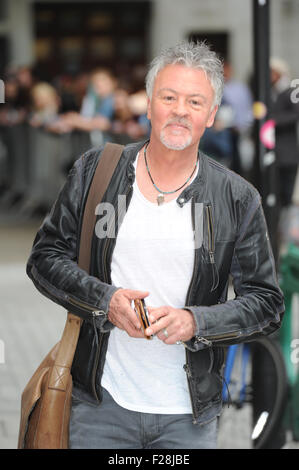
[285, 112]
[189, 224]
[237, 97]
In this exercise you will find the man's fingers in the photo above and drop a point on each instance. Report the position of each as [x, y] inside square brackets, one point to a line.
[156, 314]
[157, 326]
[129, 322]
[137, 294]
[132, 295]
[132, 329]
[171, 324]
[122, 313]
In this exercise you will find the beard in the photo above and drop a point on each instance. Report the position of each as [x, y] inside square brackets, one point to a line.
[175, 140]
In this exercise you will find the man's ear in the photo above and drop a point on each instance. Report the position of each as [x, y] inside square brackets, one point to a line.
[149, 113]
[211, 119]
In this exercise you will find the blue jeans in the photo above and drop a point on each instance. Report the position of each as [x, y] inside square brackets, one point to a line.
[110, 426]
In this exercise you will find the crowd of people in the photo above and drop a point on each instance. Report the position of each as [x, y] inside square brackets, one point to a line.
[114, 108]
[80, 111]
[88, 102]
[99, 102]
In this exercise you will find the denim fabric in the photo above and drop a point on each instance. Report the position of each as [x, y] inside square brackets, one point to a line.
[109, 426]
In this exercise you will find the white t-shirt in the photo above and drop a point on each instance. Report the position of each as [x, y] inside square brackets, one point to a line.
[154, 252]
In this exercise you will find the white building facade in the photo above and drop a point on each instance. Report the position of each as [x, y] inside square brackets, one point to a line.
[173, 20]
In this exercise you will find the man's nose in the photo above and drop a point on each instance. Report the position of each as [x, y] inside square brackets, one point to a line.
[181, 107]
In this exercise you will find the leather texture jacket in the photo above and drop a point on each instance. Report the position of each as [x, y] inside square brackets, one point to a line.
[234, 243]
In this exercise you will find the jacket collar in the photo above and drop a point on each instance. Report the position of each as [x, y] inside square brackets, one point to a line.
[195, 189]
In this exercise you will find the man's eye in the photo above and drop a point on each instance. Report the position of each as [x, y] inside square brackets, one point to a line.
[168, 98]
[195, 103]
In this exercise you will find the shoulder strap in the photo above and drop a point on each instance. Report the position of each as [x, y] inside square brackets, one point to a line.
[102, 176]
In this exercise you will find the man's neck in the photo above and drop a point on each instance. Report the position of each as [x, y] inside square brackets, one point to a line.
[164, 160]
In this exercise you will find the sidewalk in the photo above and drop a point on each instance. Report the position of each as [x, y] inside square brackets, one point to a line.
[29, 326]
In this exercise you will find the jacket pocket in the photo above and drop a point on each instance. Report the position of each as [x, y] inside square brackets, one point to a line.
[207, 387]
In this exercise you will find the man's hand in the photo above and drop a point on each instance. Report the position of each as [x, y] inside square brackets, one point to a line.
[121, 313]
[178, 324]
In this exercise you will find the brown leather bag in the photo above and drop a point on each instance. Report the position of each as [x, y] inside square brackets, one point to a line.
[46, 399]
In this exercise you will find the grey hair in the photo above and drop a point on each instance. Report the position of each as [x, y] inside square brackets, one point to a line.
[197, 55]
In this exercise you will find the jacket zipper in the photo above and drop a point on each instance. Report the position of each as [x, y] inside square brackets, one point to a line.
[187, 366]
[211, 246]
[95, 313]
[94, 370]
[211, 251]
[195, 255]
[85, 306]
[208, 339]
[189, 376]
[215, 338]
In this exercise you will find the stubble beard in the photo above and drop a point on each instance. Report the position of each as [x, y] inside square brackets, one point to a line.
[169, 142]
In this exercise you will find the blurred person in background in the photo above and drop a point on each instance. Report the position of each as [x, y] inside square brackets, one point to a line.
[11, 111]
[122, 113]
[65, 86]
[129, 118]
[26, 81]
[97, 107]
[237, 95]
[45, 104]
[138, 103]
[285, 112]
[79, 87]
[217, 141]
[99, 99]
[188, 224]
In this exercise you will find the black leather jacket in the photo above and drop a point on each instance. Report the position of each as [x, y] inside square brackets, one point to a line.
[234, 242]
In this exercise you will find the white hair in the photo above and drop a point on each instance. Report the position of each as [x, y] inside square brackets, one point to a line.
[197, 55]
[279, 65]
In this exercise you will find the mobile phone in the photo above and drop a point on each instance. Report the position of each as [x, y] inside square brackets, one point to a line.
[142, 313]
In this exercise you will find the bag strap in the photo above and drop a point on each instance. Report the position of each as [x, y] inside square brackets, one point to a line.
[102, 176]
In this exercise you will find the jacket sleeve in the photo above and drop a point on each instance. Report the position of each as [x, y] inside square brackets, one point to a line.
[52, 265]
[258, 306]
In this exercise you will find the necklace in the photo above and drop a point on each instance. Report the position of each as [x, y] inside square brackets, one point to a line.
[160, 197]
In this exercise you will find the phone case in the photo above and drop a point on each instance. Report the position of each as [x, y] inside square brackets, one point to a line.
[142, 313]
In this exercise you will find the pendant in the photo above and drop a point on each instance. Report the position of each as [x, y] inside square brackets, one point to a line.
[160, 199]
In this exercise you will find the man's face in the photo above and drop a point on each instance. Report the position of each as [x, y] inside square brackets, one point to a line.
[103, 84]
[181, 106]
[274, 76]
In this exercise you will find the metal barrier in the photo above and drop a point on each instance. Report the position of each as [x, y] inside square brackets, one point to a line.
[15, 140]
[48, 156]
[37, 162]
